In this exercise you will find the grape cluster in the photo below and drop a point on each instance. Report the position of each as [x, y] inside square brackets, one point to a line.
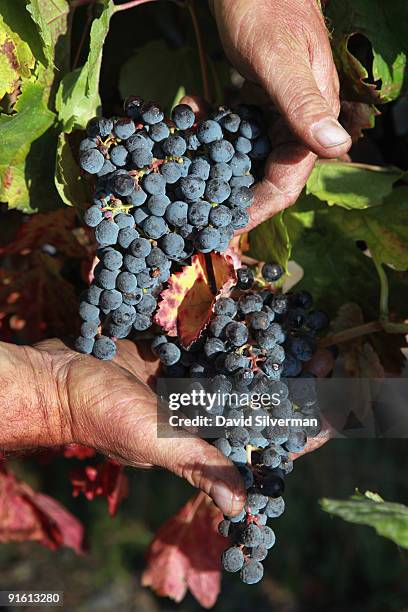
[256, 342]
[164, 190]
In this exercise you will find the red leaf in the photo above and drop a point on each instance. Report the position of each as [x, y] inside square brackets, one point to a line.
[356, 117]
[187, 304]
[185, 554]
[27, 515]
[57, 228]
[107, 479]
[35, 300]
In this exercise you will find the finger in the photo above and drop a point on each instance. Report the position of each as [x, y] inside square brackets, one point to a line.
[206, 468]
[293, 89]
[287, 170]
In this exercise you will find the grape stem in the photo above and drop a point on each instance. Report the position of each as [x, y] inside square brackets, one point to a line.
[362, 330]
[384, 291]
[201, 50]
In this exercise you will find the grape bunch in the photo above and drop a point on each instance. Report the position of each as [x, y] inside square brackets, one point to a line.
[256, 342]
[164, 190]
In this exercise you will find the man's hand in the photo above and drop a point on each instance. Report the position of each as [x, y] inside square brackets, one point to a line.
[282, 48]
[51, 395]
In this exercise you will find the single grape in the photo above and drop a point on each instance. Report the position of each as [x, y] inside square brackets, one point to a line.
[171, 171]
[156, 258]
[159, 132]
[245, 278]
[232, 559]
[209, 131]
[251, 572]
[110, 299]
[142, 158]
[124, 315]
[240, 218]
[240, 164]
[174, 145]
[106, 278]
[124, 220]
[140, 247]
[147, 305]
[221, 151]
[134, 264]
[168, 353]
[192, 187]
[272, 272]
[183, 116]
[122, 184]
[217, 190]
[198, 213]
[124, 128]
[172, 244]
[207, 240]
[91, 161]
[104, 348]
[89, 329]
[84, 345]
[241, 197]
[154, 227]
[88, 312]
[93, 216]
[151, 113]
[126, 236]
[154, 183]
[176, 213]
[243, 145]
[141, 322]
[221, 171]
[231, 122]
[225, 306]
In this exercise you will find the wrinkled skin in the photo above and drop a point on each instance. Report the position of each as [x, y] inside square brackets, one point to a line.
[63, 397]
[282, 49]
[50, 395]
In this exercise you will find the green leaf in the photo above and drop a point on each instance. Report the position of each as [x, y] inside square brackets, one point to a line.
[383, 24]
[270, 241]
[16, 57]
[388, 519]
[384, 228]
[158, 72]
[22, 137]
[352, 186]
[335, 269]
[71, 186]
[52, 21]
[78, 98]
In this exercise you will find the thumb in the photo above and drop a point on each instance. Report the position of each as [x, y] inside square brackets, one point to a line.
[308, 114]
[206, 468]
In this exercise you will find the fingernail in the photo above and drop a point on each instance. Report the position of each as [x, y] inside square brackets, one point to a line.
[329, 133]
[226, 501]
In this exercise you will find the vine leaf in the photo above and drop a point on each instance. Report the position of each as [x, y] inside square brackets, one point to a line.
[35, 299]
[77, 98]
[381, 30]
[356, 117]
[185, 554]
[186, 306]
[360, 358]
[16, 57]
[28, 515]
[270, 241]
[69, 181]
[107, 479]
[19, 134]
[352, 186]
[388, 519]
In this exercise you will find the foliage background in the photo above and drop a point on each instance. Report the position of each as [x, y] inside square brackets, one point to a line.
[60, 80]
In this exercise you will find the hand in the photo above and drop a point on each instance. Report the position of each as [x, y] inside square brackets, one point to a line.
[282, 48]
[52, 395]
